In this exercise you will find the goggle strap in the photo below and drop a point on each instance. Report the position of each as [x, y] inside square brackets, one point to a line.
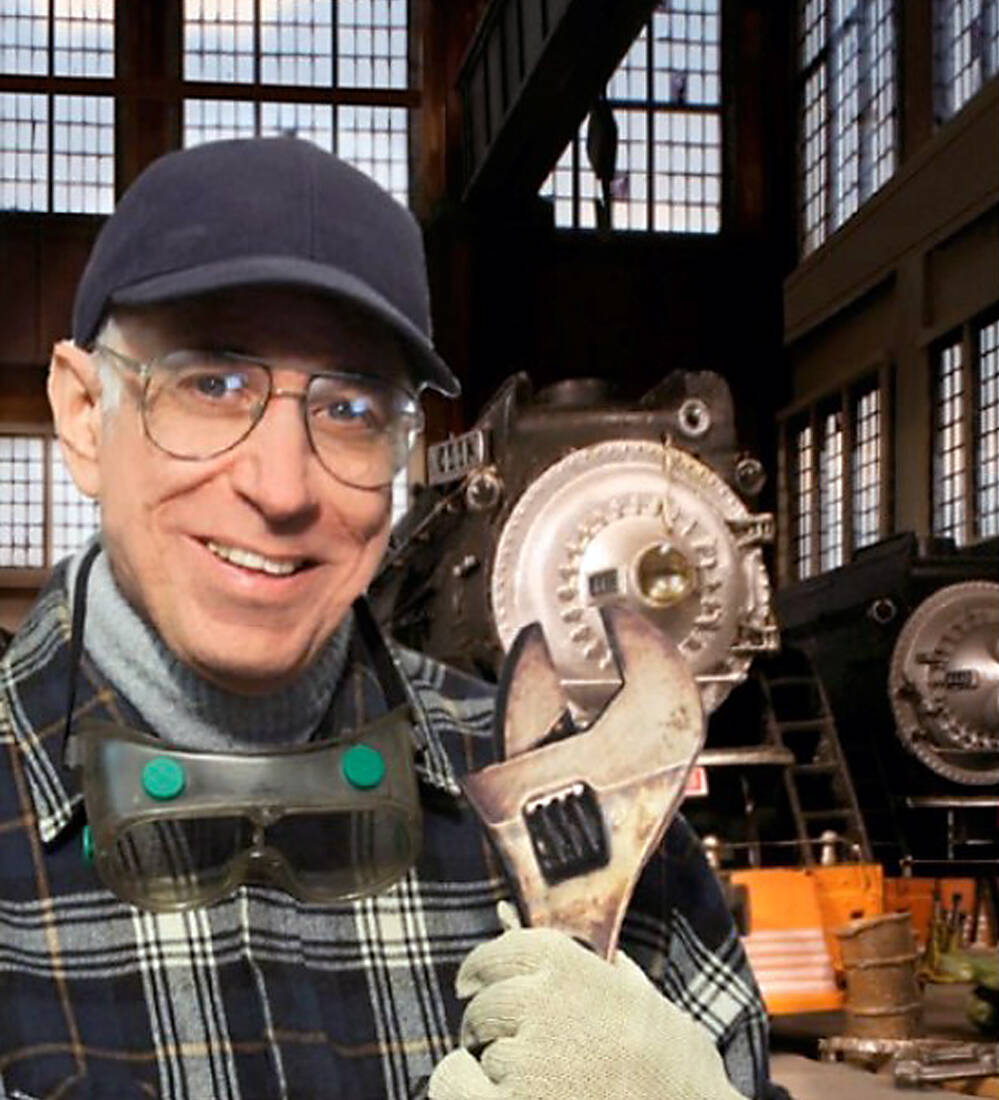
[374, 643]
[68, 754]
[387, 671]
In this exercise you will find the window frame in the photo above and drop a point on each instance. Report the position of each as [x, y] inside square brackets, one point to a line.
[812, 234]
[33, 577]
[53, 85]
[127, 89]
[260, 93]
[966, 337]
[985, 320]
[944, 77]
[649, 108]
[844, 401]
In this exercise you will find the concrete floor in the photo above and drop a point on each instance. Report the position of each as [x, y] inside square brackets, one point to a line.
[805, 1079]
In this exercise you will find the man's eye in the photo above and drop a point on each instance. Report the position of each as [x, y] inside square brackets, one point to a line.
[216, 385]
[349, 409]
[346, 410]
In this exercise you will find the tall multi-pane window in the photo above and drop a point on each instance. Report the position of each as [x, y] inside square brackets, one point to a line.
[835, 483]
[666, 100]
[866, 467]
[57, 143]
[349, 44]
[43, 516]
[949, 445]
[987, 435]
[965, 489]
[831, 494]
[73, 518]
[848, 134]
[803, 482]
[22, 503]
[336, 74]
[966, 51]
[814, 175]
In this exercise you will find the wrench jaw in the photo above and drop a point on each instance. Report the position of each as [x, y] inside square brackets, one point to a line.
[531, 701]
[576, 815]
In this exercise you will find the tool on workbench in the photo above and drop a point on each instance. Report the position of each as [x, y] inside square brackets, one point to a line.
[928, 1065]
[576, 813]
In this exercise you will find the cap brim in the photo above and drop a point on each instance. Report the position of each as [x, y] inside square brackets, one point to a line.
[425, 365]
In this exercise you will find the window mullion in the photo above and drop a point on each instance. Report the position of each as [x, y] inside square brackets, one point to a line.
[335, 52]
[257, 67]
[990, 34]
[941, 77]
[827, 56]
[650, 137]
[256, 53]
[50, 109]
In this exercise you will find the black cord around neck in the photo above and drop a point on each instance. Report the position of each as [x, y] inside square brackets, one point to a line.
[76, 637]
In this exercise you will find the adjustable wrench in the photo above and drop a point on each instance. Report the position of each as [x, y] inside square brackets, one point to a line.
[576, 813]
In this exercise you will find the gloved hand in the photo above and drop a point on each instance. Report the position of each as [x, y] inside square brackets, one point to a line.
[558, 1022]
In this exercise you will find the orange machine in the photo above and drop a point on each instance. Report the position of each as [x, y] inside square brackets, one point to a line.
[792, 913]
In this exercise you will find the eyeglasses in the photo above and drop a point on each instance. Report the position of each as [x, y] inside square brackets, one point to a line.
[200, 404]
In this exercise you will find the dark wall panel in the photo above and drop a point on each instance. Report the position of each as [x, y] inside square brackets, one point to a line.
[627, 309]
[41, 259]
[19, 293]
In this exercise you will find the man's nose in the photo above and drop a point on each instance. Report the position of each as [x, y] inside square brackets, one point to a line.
[275, 466]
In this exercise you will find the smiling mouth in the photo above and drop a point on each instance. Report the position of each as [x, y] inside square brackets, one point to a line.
[257, 563]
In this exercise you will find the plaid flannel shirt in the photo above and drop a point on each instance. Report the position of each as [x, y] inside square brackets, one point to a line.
[261, 996]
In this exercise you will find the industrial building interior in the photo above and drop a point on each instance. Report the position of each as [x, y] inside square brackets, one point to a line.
[781, 218]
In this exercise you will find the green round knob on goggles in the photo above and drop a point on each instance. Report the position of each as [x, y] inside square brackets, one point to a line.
[363, 767]
[163, 779]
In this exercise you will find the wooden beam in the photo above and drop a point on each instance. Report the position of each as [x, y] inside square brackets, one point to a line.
[529, 78]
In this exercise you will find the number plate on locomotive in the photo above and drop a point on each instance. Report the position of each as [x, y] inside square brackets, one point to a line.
[456, 457]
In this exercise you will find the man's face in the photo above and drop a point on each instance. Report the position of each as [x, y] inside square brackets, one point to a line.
[165, 519]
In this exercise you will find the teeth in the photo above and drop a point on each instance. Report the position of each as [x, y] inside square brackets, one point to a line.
[248, 560]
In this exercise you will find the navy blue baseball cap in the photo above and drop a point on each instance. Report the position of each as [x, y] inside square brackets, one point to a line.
[257, 212]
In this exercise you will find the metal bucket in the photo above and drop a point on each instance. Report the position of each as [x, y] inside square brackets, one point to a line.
[882, 997]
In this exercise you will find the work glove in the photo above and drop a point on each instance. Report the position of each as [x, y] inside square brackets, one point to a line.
[554, 1021]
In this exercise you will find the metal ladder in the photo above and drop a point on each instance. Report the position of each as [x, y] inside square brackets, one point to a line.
[819, 789]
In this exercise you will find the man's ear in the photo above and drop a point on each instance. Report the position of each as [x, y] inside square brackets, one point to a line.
[75, 397]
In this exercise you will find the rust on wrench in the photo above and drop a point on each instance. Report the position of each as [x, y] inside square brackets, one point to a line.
[575, 814]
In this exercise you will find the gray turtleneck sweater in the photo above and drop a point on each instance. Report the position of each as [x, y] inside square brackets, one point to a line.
[181, 705]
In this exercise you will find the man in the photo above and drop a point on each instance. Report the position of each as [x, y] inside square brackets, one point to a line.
[233, 854]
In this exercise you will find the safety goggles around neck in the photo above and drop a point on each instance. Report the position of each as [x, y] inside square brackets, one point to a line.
[176, 828]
